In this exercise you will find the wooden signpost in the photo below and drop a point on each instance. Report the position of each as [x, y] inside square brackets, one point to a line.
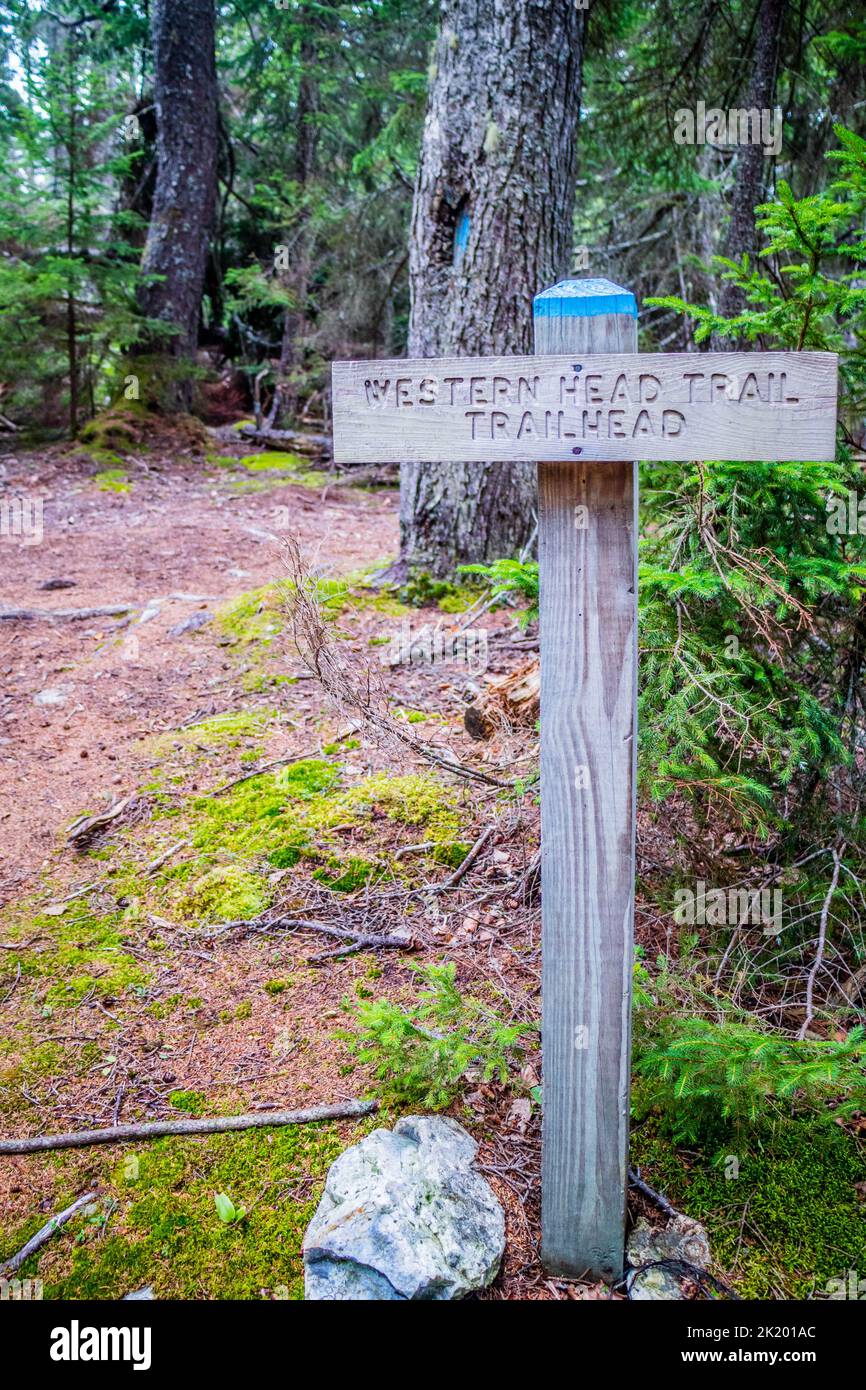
[585, 402]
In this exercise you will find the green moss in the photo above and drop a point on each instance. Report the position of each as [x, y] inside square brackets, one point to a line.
[423, 591]
[165, 1230]
[119, 427]
[307, 778]
[275, 986]
[411, 800]
[347, 876]
[331, 749]
[221, 730]
[273, 459]
[286, 816]
[112, 480]
[164, 1008]
[77, 952]
[788, 1222]
[452, 855]
[262, 815]
[293, 466]
[193, 1102]
[251, 617]
[225, 893]
[285, 858]
[22, 1060]
[412, 716]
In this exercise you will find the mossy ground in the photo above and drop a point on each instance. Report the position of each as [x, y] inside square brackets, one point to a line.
[81, 952]
[780, 1204]
[305, 810]
[253, 622]
[155, 1221]
[270, 469]
[103, 946]
[112, 480]
[122, 997]
[246, 730]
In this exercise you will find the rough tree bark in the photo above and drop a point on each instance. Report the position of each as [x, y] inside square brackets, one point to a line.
[491, 226]
[750, 185]
[183, 205]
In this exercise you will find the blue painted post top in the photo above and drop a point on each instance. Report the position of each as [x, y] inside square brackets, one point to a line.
[584, 299]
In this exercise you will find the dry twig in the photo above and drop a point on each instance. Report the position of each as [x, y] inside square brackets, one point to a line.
[115, 1134]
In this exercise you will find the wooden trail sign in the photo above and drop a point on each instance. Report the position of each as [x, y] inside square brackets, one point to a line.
[586, 392]
[733, 405]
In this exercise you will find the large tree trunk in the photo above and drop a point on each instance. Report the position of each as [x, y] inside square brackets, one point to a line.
[183, 204]
[750, 185]
[491, 226]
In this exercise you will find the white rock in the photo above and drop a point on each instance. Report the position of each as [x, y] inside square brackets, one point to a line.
[404, 1215]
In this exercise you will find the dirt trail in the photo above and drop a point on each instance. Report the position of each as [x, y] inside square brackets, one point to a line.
[77, 696]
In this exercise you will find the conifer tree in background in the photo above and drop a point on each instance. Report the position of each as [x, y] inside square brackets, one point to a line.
[68, 270]
[175, 254]
[751, 178]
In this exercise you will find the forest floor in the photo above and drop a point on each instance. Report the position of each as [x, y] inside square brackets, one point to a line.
[124, 998]
[111, 1013]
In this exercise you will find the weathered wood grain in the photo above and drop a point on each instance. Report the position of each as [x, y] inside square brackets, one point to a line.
[552, 407]
[588, 563]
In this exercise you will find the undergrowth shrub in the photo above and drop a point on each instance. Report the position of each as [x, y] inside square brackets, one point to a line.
[420, 1054]
[511, 577]
[704, 1075]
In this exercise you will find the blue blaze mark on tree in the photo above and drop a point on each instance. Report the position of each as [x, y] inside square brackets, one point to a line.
[461, 235]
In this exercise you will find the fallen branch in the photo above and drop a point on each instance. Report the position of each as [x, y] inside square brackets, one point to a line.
[297, 437]
[358, 939]
[822, 941]
[462, 869]
[81, 829]
[637, 1181]
[30, 615]
[45, 1234]
[117, 1134]
[165, 856]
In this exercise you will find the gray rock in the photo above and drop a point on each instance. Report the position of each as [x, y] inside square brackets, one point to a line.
[680, 1239]
[404, 1215]
[140, 1296]
[654, 1285]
